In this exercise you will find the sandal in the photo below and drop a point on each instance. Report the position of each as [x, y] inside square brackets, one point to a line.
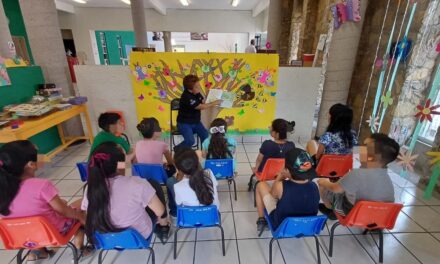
[261, 225]
[38, 253]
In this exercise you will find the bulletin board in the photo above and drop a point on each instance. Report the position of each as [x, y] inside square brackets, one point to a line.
[252, 78]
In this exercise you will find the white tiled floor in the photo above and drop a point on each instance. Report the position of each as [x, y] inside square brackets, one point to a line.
[415, 238]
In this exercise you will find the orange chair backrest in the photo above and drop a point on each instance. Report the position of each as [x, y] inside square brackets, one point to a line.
[334, 165]
[121, 114]
[29, 232]
[271, 168]
[372, 215]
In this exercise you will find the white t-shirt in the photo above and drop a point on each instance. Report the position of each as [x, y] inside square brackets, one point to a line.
[185, 195]
[250, 49]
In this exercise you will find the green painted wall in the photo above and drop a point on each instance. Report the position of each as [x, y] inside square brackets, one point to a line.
[16, 22]
[127, 38]
[24, 82]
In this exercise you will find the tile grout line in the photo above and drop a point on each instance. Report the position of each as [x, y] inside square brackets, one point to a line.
[407, 249]
[235, 227]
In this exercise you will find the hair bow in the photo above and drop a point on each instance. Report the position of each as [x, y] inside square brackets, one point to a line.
[98, 156]
[219, 129]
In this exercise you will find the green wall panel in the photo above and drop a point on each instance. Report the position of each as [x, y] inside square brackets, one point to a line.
[127, 38]
[24, 82]
[16, 22]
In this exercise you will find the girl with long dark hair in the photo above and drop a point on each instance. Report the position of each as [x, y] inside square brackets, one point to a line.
[114, 202]
[197, 186]
[339, 138]
[218, 145]
[24, 195]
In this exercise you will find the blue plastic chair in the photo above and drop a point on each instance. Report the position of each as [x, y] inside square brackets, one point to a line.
[297, 227]
[223, 169]
[82, 167]
[127, 239]
[150, 171]
[198, 217]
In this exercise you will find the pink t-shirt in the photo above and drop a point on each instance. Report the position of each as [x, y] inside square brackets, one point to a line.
[129, 196]
[150, 151]
[33, 199]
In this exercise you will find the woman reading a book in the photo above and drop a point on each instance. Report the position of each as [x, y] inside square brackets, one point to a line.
[188, 117]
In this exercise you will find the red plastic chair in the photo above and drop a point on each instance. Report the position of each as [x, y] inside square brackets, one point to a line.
[334, 166]
[32, 233]
[371, 216]
[271, 168]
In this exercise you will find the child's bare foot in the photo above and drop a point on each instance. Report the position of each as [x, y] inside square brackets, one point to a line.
[40, 254]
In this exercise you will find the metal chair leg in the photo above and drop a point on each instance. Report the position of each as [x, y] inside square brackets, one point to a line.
[318, 254]
[100, 256]
[175, 243]
[255, 193]
[223, 240]
[235, 189]
[332, 233]
[380, 246]
[250, 184]
[74, 251]
[270, 250]
[20, 256]
[153, 258]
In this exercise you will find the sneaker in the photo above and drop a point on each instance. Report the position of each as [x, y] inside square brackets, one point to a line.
[261, 225]
[328, 212]
[162, 232]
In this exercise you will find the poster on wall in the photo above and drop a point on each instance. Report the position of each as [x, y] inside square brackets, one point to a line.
[157, 36]
[248, 80]
[4, 77]
[199, 36]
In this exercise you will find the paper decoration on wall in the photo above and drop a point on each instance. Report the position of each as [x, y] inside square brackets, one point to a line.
[373, 123]
[426, 111]
[249, 90]
[4, 77]
[403, 48]
[348, 10]
[406, 160]
[435, 174]
[438, 47]
[268, 45]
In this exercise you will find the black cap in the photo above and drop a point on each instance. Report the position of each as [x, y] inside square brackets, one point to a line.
[300, 164]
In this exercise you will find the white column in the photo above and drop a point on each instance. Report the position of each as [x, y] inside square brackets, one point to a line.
[139, 24]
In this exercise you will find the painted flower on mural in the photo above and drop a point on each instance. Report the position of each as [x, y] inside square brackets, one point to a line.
[426, 111]
[406, 160]
[373, 123]
[386, 99]
[435, 157]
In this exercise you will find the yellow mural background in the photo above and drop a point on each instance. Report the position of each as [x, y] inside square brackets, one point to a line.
[157, 79]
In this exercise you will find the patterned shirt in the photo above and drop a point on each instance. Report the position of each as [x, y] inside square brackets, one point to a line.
[334, 144]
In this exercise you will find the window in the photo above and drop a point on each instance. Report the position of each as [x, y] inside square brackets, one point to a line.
[429, 129]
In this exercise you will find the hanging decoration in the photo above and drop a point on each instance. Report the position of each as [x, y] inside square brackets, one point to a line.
[407, 160]
[348, 10]
[426, 111]
[435, 174]
[373, 123]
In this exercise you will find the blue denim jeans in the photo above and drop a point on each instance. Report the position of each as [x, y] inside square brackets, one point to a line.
[188, 130]
[171, 196]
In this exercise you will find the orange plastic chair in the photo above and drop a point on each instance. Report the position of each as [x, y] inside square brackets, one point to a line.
[271, 168]
[334, 166]
[32, 233]
[371, 216]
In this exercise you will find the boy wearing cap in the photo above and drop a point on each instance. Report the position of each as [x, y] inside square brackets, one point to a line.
[292, 193]
[369, 183]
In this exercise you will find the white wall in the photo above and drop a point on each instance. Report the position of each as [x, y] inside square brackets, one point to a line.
[110, 87]
[212, 21]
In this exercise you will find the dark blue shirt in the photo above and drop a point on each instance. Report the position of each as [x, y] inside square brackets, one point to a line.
[188, 113]
[297, 200]
[271, 149]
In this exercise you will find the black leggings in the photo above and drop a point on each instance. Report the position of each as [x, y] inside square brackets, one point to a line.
[159, 192]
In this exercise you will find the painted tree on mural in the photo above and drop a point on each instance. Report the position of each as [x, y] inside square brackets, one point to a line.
[213, 74]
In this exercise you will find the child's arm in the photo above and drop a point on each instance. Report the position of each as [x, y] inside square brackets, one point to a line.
[156, 206]
[320, 151]
[334, 187]
[61, 207]
[204, 106]
[258, 162]
[168, 157]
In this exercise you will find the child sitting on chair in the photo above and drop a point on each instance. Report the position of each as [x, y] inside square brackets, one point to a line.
[112, 127]
[24, 195]
[114, 202]
[197, 186]
[218, 145]
[152, 150]
[369, 183]
[292, 193]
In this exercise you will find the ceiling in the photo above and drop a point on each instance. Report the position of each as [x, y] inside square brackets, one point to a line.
[173, 4]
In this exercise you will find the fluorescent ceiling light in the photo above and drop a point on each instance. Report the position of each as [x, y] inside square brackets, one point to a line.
[234, 3]
[80, 1]
[184, 2]
[126, 2]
